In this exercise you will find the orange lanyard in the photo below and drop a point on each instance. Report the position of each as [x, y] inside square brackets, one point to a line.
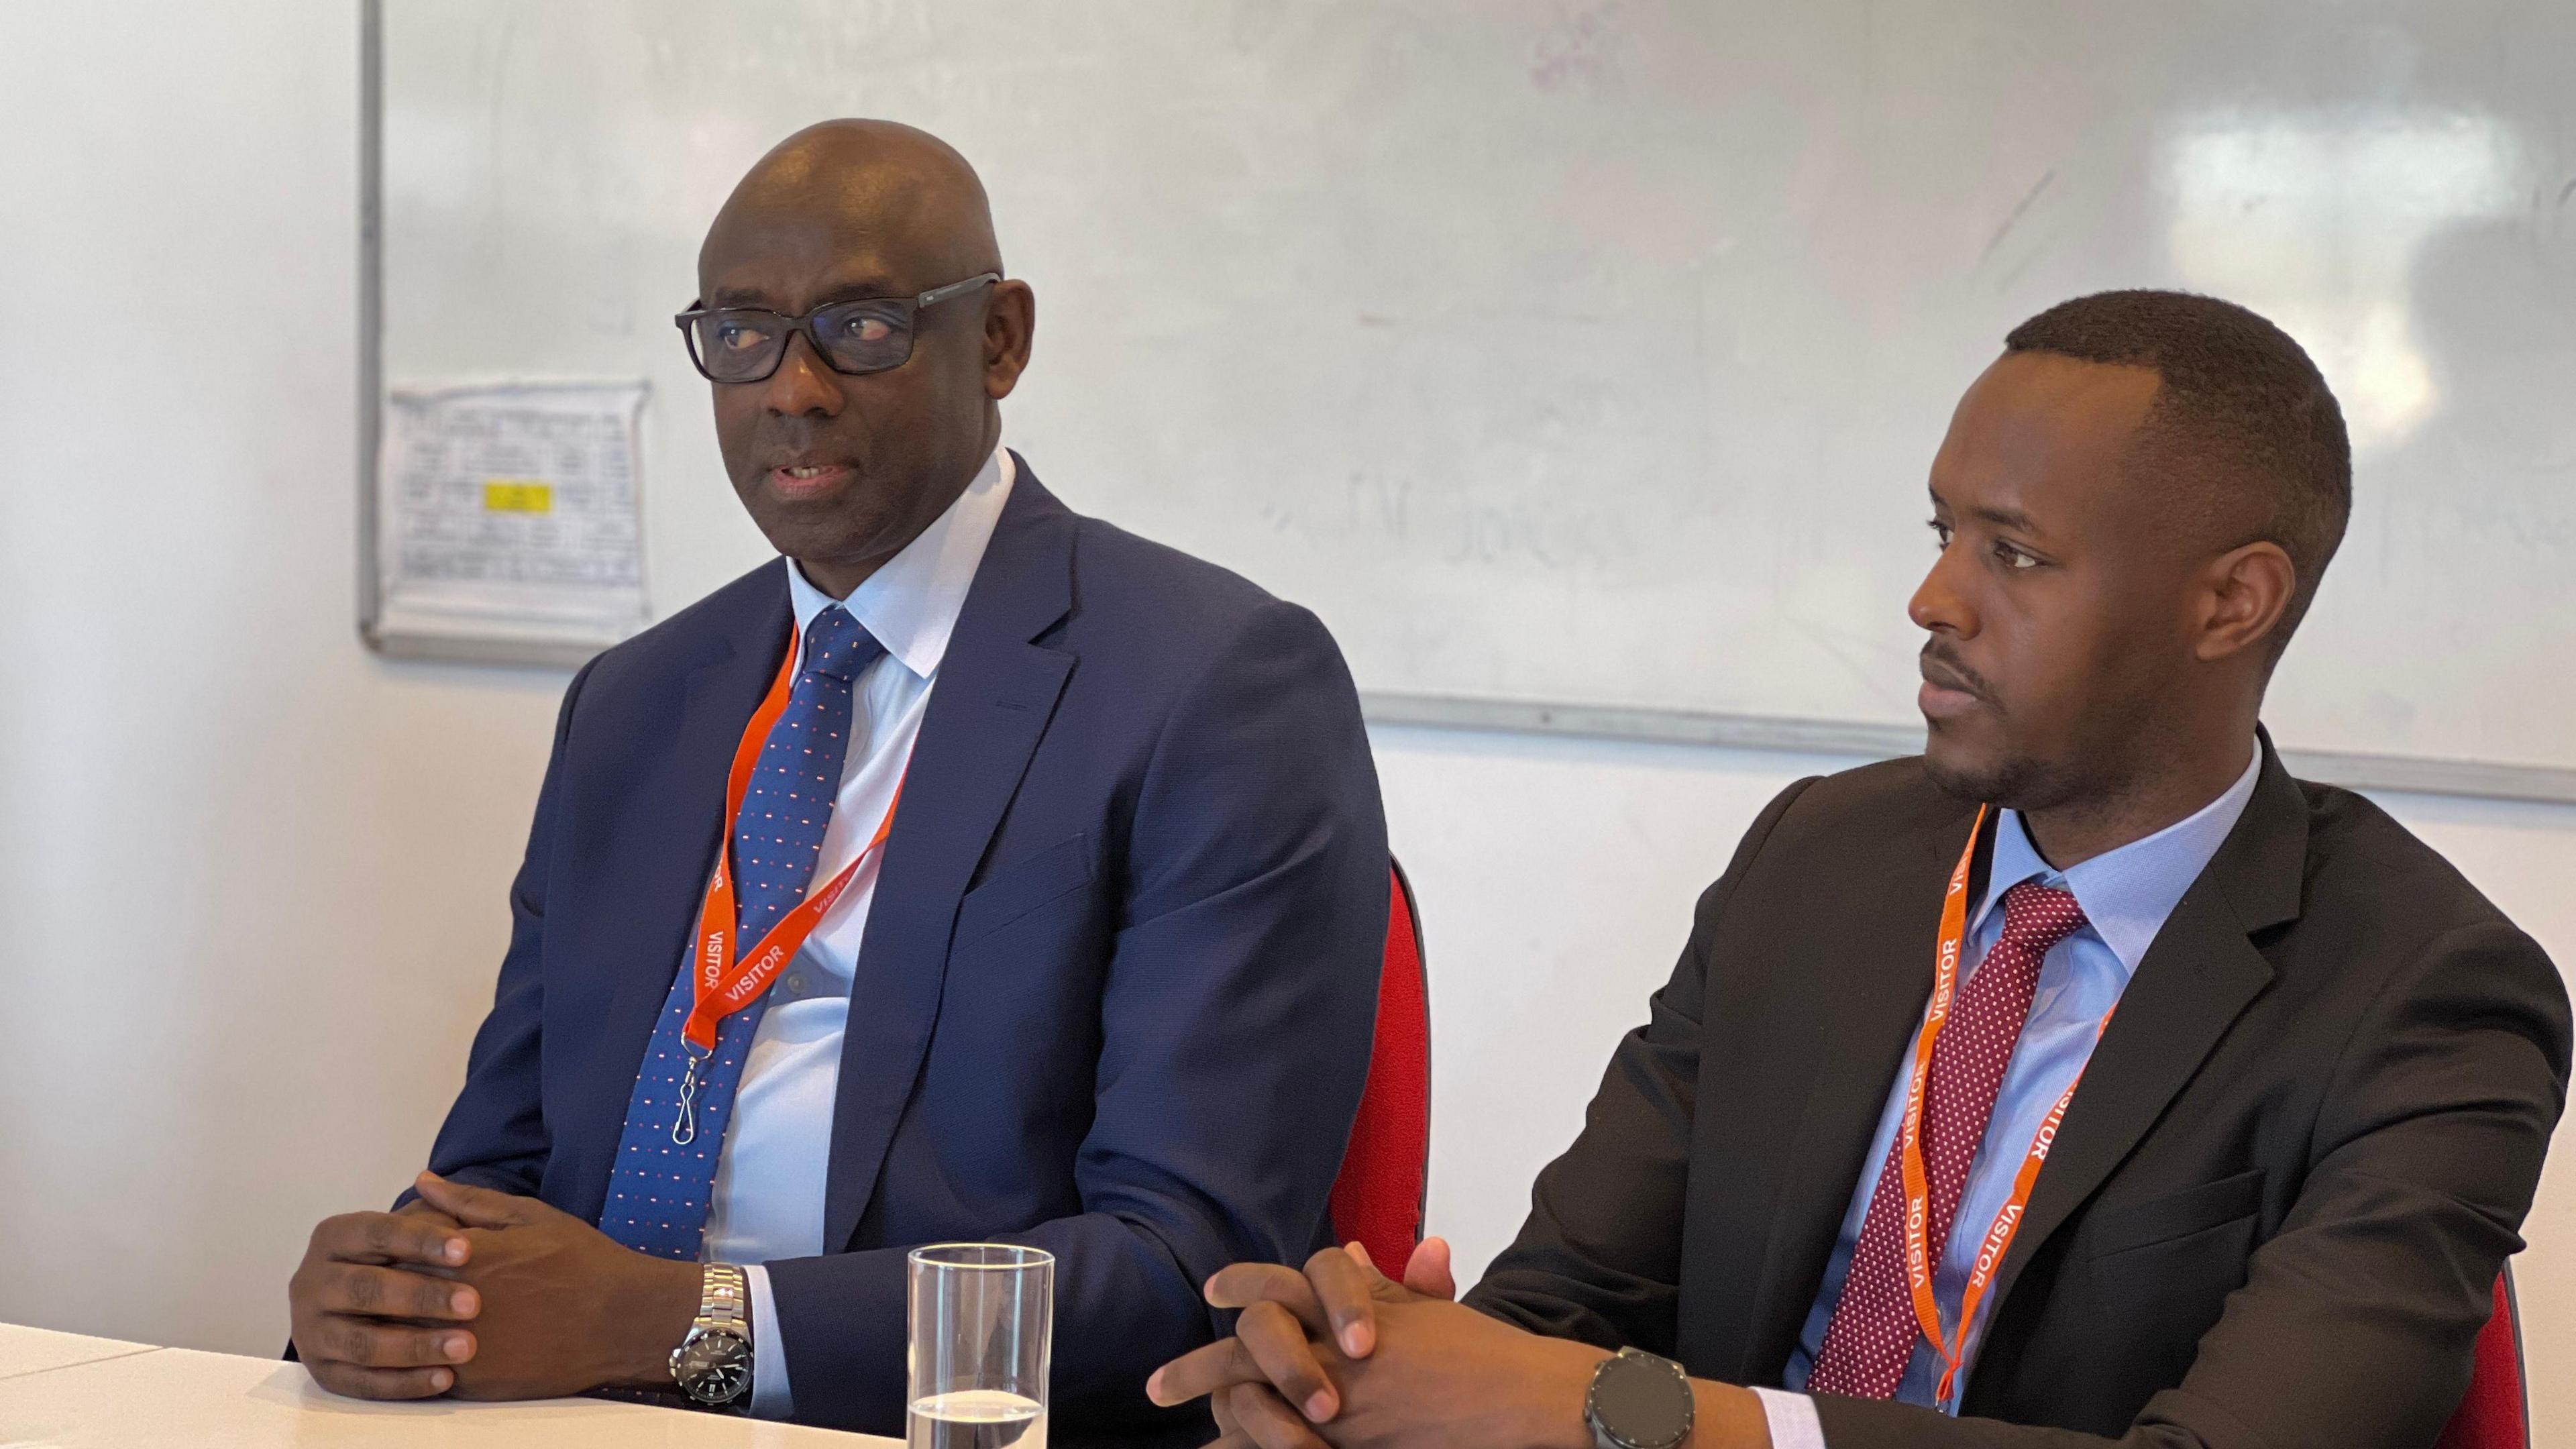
[1918, 1248]
[724, 983]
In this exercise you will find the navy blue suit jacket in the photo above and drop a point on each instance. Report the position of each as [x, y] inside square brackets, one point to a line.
[1119, 978]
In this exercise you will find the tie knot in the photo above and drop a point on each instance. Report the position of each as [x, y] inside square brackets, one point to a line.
[839, 645]
[2038, 917]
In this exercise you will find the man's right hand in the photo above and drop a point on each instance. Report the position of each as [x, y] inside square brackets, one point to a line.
[1337, 1291]
[375, 1315]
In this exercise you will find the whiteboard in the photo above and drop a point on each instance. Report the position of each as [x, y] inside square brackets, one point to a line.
[1581, 364]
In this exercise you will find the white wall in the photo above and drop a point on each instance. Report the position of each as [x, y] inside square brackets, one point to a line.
[250, 875]
[251, 878]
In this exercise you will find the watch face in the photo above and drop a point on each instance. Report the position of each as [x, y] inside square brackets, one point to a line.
[1641, 1401]
[713, 1368]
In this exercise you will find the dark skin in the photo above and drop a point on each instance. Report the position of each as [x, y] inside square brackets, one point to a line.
[1339, 1355]
[492, 1296]
[2096, 662]
[844, 210]
[484, 1294]
[2101, 635]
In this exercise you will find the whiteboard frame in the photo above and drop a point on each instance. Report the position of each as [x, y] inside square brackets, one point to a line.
[462, 649]
[2409, 774]
[2406, 774]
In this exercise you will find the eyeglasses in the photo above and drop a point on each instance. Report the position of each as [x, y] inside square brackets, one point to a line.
[867, 334]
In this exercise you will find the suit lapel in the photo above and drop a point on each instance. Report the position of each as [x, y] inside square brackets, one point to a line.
[2200, 974]
[995, 693]
[1863, 1013]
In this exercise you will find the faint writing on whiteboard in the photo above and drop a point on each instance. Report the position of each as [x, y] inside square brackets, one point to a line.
[509, 515]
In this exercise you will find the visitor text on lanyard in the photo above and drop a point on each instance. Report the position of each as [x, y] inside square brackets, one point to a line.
[1918, 1247]
[725, 981]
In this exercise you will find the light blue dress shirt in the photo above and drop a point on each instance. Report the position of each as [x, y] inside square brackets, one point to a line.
[772, 1172]
[2126, 895]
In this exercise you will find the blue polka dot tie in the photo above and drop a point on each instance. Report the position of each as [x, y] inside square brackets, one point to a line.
[659, 1191]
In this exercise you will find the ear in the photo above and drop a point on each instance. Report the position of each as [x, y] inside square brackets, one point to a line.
[1010, 331]
[2244, 593]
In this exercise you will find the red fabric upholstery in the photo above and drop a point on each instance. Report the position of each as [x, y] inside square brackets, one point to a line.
[2493, 1416]
[1378, 1198]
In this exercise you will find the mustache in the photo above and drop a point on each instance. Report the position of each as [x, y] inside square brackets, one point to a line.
[802, 440]
[1948, 671]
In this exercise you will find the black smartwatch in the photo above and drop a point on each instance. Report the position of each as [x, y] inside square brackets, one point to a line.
[1639, 1401]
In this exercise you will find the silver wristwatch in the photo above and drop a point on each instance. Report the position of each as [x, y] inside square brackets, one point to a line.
[713, 1364]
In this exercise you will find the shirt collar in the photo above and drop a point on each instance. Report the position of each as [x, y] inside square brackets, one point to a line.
[912, 603]
[2126, 893]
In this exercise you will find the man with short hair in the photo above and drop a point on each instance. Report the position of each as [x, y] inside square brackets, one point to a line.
[1033, 877]
[2199, 1106]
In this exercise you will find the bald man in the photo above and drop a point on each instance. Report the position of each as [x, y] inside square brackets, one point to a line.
[1034, 877]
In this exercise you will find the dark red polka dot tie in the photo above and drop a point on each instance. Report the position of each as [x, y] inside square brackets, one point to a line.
[1873, 1330]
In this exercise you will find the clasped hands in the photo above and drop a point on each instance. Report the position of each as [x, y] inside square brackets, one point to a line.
[487, 1295]
[1341, 1357]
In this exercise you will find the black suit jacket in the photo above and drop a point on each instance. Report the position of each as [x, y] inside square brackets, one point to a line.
[2275, 1211]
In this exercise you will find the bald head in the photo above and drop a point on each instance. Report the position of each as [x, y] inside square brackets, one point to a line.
[843, 469]
[907, 194]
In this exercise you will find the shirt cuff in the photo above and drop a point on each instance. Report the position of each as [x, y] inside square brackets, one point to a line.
[769, 1396]
[1792, 1418]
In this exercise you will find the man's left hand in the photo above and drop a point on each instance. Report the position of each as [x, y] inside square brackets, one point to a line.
[1435, 1373]
[564, 1309]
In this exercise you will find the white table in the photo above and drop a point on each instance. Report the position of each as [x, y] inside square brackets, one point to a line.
[37, 1350]
[65, 1391]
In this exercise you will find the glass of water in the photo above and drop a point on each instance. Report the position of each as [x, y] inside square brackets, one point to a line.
[983, 1329]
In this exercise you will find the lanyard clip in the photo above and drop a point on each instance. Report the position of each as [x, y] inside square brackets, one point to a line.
[685, 1130]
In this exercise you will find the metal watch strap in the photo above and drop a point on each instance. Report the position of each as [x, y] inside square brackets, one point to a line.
[724, 1313]
[724, 1300]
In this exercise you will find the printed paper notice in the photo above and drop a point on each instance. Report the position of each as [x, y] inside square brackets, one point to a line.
[508, 522]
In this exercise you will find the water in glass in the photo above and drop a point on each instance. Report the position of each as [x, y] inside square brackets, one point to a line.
[977, 1419]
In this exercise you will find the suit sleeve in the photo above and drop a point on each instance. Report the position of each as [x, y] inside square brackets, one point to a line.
[2354, 1326]
[1599, 1258]
[495, 1134]
[1236, 1021]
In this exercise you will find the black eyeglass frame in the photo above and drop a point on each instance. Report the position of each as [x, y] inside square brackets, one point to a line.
[805, 323]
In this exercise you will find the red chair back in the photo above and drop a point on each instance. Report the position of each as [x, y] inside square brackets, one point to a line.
[2496, 1414]
[1378, 1198]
